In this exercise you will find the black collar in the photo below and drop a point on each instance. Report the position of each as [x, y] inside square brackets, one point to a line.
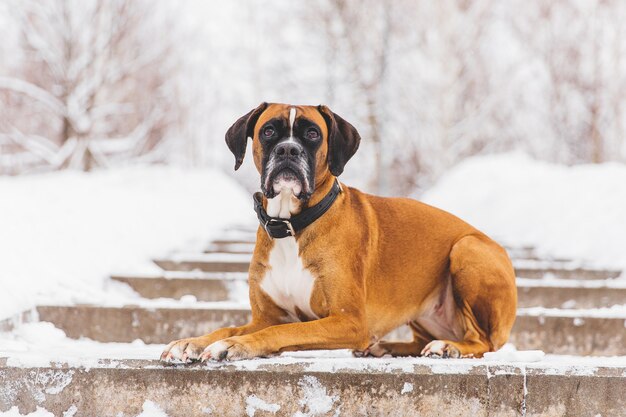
[278, 228]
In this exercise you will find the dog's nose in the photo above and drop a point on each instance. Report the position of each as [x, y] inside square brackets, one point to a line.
[288, 150]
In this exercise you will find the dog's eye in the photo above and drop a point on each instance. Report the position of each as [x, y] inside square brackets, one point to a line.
[312, 134]
[268, 132]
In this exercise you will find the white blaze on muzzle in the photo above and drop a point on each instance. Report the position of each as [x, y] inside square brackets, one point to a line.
[286, 180]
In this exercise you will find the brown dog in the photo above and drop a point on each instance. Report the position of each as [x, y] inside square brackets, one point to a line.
[353, 266]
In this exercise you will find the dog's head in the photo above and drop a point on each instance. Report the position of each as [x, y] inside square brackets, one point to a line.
[295, 147]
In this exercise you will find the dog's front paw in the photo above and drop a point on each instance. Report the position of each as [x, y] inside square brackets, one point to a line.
[441, 349]
[229, 349]
[184, 350]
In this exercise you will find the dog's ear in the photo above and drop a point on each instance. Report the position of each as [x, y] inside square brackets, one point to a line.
[237, 135]
[343, 140]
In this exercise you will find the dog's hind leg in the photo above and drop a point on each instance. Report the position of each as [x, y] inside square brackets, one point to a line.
[383, 348]
[483, 284]
[413, 348]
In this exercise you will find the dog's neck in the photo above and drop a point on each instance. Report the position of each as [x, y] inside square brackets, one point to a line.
[285, 204]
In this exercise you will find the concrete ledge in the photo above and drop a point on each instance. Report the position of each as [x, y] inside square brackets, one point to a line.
[203, 289]
[240, 248]
[207, 286]
[570, 335]
[549, 332]
[564, 273]
[569, 296]
[200, 265]
[125, 324]
[211, 262]
[377, 387]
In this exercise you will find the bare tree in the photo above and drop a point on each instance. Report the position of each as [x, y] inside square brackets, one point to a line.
[428, 93]
[580, 47]
[93, 82]
[358, 37]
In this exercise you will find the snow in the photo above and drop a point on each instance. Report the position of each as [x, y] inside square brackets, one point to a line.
[254, 403]
[14, 412]
[571, 283]
[210, 257]
[565, 212]
[510, 354]
[70, 411]
[332, 361]
[150, 409]
[315, 401]
[186, 302]
[23, 347]
[201, 275]
[63, 233]
[406, 388]
[613, 312]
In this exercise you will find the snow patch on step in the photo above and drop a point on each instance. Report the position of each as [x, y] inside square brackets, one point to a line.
[15, 412]
[24, 348]
[616, 311]
[508, 353]
[40, 383]
[170, 303]
[315, 400]
[209, 257]
[612, 283]
[70, 411]
[254, 403]
[547, 264]
[150, 409]
[196, 274]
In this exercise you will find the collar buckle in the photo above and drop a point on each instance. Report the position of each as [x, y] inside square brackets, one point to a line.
[290, 227]
[286, 222]
[267, 231]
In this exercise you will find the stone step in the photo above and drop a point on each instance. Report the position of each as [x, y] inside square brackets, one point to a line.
[578, 273]
[152, 325]
[239, 262]
[240, 248]
[206, 262]
[571, 332]
[248, 234]
[531, 292]
[245, 242]
[315, 387]
[202, 285]
[570, 293]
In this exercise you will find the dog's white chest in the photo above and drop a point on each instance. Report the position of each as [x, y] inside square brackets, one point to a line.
[287, 282]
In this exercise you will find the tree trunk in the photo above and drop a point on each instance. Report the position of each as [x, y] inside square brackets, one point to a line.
[597, 151]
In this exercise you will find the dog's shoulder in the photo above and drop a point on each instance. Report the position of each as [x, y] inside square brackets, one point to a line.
[399, 211]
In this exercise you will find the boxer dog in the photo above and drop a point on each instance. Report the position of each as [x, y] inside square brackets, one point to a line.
[335, 268]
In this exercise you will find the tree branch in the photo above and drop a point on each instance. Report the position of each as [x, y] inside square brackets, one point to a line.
[35, 92]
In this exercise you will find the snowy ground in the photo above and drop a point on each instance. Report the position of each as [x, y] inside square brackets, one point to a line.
[23, 347]
[570, 212]
[64, 233]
